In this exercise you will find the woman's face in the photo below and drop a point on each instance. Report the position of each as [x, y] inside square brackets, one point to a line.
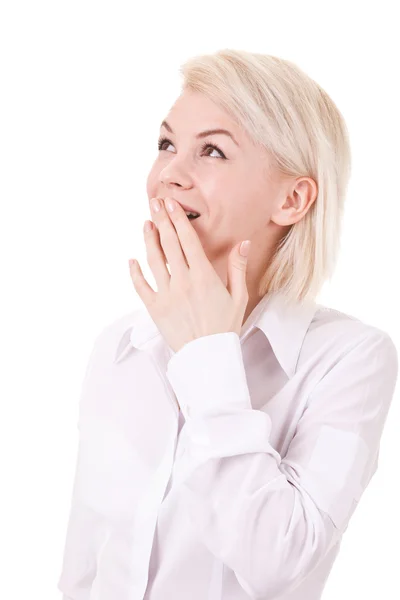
[235, 190]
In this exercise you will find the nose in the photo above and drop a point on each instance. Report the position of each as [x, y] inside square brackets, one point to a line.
[170, 180]
[175, 173]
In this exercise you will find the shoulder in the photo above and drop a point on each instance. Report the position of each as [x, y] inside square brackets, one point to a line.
[334, 334]
[330, 321]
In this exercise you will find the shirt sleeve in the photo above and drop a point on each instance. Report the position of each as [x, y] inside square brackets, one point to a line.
[271, 518]
[84, 526]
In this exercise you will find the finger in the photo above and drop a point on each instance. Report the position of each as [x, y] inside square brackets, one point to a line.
[156, 257]
[143, 289]
[237, 269]
[169, 241]
[191, 245]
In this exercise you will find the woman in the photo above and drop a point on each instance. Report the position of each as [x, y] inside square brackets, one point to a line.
[230, 427]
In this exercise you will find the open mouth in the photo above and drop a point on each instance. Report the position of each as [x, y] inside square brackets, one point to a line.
[192, 216]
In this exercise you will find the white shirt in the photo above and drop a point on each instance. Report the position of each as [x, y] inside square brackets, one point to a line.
[247, 490]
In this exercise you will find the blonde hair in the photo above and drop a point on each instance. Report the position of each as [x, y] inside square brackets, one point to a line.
[295, 120]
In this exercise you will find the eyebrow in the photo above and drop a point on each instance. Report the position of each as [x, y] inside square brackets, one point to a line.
[205, 133]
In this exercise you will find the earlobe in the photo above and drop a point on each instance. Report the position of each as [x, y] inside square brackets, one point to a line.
[286, 218]
[288, 214]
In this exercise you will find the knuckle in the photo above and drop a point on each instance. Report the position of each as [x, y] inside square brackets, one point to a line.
[180, 284]
[169, 233]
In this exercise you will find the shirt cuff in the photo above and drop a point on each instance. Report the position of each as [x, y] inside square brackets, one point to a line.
[208, 376]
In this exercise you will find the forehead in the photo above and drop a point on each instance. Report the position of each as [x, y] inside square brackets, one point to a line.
[198, 110]
[194, 112]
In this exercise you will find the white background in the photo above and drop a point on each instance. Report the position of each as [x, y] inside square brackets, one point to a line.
[84, 87]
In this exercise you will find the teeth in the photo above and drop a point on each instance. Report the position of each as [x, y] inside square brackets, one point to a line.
[191, 214]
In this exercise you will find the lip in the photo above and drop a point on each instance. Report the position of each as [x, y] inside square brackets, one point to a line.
[184, 206]
[188, 208]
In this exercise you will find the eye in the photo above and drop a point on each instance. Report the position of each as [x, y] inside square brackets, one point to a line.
[214, 147]
[161, 142]
[206, 145]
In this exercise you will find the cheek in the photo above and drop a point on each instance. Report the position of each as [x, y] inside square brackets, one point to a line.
[151, 184]
[215, 186]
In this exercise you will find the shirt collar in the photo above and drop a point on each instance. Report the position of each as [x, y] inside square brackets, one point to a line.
[285, 326]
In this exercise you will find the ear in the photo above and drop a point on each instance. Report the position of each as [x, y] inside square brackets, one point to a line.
[298, 201]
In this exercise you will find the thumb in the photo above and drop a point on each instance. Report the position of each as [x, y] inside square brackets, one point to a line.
[237, 267]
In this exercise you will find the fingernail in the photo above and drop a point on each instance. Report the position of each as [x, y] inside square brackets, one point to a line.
[170, 204]
[156, 205]
[245, 247]
[148, 226]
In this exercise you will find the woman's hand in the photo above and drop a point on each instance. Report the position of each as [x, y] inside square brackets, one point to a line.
[192, 301]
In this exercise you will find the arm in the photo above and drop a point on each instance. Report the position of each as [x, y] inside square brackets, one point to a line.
[84, 528]
[81, 545]
[271, 519]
